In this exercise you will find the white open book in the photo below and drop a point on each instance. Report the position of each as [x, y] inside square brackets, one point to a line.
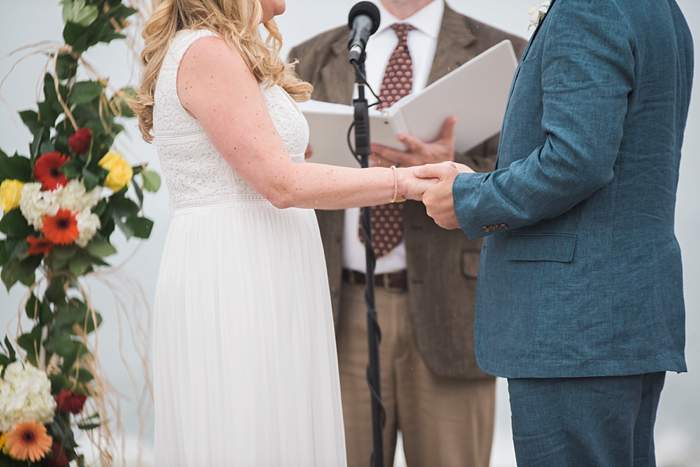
[476, 93]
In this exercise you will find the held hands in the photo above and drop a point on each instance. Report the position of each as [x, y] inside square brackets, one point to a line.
[437, 197]
[432, 184]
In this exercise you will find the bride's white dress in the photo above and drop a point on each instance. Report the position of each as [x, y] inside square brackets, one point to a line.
[245, 367]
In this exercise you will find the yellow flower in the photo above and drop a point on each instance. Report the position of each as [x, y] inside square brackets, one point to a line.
[10, 194]
[120, 172]
[3, 443]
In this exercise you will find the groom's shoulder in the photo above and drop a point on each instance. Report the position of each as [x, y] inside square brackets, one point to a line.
[318, 47]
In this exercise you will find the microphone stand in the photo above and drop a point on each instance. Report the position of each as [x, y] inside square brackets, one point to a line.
[362, 152]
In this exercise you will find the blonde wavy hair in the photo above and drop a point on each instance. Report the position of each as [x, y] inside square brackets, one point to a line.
[237, 22]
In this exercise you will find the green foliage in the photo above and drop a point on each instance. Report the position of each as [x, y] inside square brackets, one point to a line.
[60, 316]
[15, 168]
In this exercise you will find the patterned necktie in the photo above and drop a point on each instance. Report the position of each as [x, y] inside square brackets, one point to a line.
[387, 220]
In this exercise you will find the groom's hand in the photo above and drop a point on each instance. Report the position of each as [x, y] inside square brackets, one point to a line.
[438, 199]
[419, 153]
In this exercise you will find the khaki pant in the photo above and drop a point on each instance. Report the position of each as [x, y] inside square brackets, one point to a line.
[445, 422]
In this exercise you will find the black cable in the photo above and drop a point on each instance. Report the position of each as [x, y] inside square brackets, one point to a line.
[372, 322]
[362, 75]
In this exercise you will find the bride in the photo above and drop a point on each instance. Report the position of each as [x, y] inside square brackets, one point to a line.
[245, 359]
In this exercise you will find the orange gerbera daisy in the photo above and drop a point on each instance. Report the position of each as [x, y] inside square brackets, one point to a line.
[39, 245]
[28, 442]
[61, 229]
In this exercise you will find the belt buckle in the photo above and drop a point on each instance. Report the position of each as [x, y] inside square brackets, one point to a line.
[386, 282]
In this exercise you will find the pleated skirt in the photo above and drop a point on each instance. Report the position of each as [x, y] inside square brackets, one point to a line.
[245, 366]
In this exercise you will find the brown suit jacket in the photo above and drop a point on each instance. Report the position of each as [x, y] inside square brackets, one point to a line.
[442, 265]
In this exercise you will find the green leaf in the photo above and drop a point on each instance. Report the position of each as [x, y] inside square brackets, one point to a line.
[65, 346]
[36, 309]
[79, 264]
[4, 253]
[122, 100]
[151, 180]
[84, 376]
[74, 313]
[31, 343]
[73, 168]
[30, 118]
[138, 191]
[90, 179]
[123, 207]
[32, 307]
[59, 381]
[16, 167]
[7, 356]
[76, 36]
[84, 92]
[88, 426]
[76, 11]
[56, 292]
[66, 66]
[13, 224]
[100, 247]
[140, 227]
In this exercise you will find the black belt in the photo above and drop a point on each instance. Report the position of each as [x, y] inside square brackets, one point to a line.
[392, 281]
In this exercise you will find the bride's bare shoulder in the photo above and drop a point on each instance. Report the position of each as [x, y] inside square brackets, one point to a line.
[209, 67]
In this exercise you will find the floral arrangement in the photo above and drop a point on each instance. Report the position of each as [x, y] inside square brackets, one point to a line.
[61, 204]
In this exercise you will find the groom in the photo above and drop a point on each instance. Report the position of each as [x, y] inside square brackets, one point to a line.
[580, 298]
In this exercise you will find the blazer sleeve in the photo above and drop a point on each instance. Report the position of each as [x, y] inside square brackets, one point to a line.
[587, 75]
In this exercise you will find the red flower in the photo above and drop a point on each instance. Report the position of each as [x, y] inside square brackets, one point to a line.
[68, 401]
[61, 229]
[58, 457]
[48, 170]
[39, 245]
[79, 142]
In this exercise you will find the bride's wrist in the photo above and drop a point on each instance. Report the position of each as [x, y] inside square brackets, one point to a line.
[399, 184]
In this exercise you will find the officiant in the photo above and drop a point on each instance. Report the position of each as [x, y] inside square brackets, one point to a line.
[433, 392]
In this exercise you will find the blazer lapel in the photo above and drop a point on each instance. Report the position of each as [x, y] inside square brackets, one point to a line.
[453, 45]
[337, 76]
[537, 29]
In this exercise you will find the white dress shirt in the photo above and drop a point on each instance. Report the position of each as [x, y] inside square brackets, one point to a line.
[422, 42]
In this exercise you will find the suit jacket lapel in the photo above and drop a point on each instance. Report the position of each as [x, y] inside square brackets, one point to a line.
[337, 77]
[537, 29]
[453, 45]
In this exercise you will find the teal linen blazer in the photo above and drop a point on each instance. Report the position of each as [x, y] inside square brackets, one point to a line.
[581, 272]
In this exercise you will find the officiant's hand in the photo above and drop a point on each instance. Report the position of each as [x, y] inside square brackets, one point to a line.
[437, 198]
[419, 153]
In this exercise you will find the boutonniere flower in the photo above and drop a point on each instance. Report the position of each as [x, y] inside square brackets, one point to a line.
[537, 14]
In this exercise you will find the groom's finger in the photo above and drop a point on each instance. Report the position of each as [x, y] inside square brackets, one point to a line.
[440, 171]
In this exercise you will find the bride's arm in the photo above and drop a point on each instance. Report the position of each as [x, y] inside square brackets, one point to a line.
[218, 89]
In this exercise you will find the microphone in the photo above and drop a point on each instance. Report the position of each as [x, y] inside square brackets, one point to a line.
[363, 21]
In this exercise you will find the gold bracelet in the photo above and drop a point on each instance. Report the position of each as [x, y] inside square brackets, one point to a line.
[396, 184]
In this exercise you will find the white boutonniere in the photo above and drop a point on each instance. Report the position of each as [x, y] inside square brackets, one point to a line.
[537, 14]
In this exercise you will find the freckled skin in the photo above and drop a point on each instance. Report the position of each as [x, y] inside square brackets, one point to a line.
[217, 88]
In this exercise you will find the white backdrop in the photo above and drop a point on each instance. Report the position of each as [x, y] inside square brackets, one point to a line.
[29, 21]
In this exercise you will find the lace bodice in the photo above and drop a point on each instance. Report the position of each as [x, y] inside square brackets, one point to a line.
[195, 173]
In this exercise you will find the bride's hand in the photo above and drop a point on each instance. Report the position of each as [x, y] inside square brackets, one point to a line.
[412, 187]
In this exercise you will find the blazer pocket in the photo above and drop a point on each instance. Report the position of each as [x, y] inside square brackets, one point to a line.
[470, 264]
[558, 248]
